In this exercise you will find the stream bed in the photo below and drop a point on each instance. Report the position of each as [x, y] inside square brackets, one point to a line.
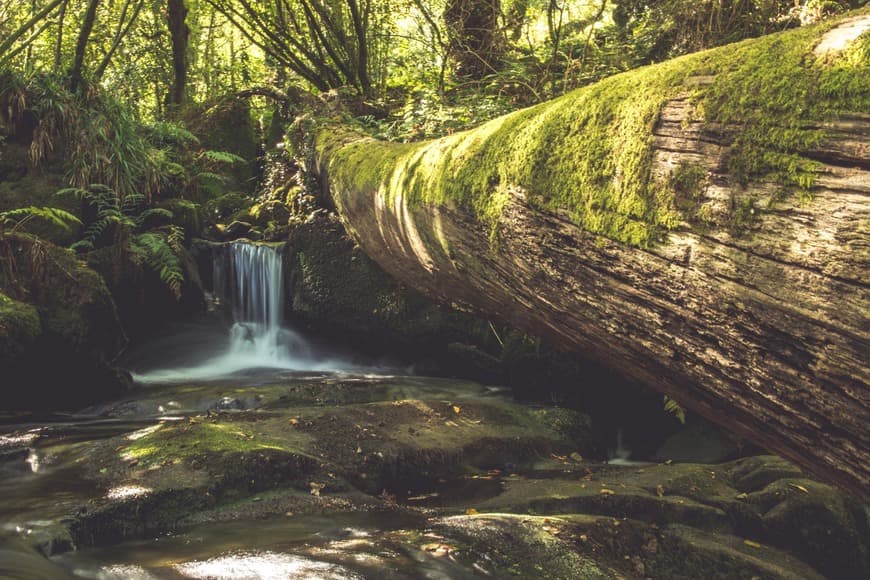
[284, 474]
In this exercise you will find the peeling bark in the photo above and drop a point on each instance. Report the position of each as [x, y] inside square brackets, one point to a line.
[764, 331]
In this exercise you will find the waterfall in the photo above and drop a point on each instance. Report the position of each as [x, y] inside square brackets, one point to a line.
[248, 281]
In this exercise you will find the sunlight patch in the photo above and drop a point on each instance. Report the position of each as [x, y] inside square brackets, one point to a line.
[263, 566]
[127, 491]
[136, 435]
[17, 439]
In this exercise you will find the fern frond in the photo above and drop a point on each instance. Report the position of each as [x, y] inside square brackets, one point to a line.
[224, 157]
[82, 246]
[210, 176]
[154, 214]
[163, 133]
[175, 238]
[105, 220]
[54, 216]
[159, 257]
[76, 192]
[675, 409]
[132, 203]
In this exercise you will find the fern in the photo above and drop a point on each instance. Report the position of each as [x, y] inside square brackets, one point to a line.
[52, 215]
[153, 214]
[209, 176]
[675, 409]
[134, 235]
[222, 157]
[154, 250]
[171, 134]
[175, 238]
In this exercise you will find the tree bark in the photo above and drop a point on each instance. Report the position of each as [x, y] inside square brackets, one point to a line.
[475, 41]
[90, 17]
[763, 331]
[176, 14]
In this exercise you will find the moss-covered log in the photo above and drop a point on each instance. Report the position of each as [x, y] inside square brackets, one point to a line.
[700, 225]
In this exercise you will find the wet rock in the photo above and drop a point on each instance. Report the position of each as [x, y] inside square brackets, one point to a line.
[753, 473]
[521, 546]
[432, 450]
[237, 229]
[19, 328]
[698, 442]
[20, 562]
[829, 529]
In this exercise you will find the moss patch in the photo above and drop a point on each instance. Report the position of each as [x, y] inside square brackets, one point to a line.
[19, 327]
[590, 151]
[169, 443]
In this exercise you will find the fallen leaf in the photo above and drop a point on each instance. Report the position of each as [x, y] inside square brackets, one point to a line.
[752, 544]
[471, 512]
[741, 496]
[437, 550]
[584, 538]
[456, 409]
[294, 421]
[576, 457]
[660, 490]
[799, 487]
[605, 491]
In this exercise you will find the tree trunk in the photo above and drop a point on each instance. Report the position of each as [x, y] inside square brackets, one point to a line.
[179, 32]
[475, 41]
[90, 17]
[751, 310]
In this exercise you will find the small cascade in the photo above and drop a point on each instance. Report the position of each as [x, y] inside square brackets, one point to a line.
[622, 455]
[248, 281]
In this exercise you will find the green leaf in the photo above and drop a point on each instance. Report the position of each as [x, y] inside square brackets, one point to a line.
[55, 216]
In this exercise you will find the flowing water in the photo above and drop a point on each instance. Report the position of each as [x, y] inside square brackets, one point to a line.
[249, 283]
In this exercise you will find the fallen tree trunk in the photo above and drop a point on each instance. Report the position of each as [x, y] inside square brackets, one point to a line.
[700, 226]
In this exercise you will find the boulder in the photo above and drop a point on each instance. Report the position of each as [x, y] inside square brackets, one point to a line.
[64, 325]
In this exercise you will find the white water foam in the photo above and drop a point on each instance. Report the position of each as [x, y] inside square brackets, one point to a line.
[249, 279]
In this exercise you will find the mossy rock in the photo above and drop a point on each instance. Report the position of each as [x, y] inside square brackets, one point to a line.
[24, 185]
[830, 530]
[227, 125]
[79, 329]
[19, 328]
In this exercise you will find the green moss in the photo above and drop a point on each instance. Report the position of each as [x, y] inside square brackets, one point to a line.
[19, 327]
[172, 442]
[590, 151]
